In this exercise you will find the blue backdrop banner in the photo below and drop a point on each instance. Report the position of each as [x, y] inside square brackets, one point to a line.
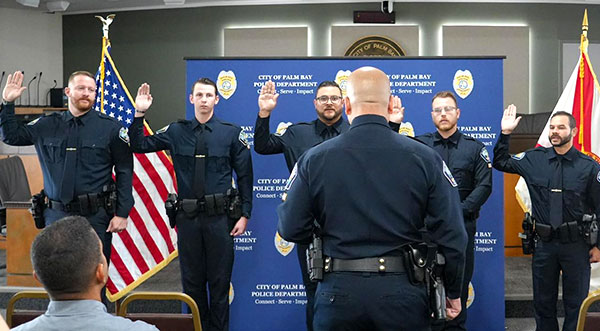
[266, 290]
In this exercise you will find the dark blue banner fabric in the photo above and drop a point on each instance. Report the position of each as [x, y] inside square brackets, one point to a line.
[266, 291]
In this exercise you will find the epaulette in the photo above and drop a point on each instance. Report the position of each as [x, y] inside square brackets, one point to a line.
[181, 120]
[415, 139]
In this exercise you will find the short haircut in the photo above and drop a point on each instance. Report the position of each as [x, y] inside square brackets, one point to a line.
[572, 122]
[327, 83]
[445, 94]
[65, 256]
[203, 81]
[81, 73]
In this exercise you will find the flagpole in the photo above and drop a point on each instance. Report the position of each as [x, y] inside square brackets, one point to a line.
[583, 60]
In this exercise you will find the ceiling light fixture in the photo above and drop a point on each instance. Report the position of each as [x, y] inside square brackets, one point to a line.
[54, 6]
[30, 3]
[174, 2]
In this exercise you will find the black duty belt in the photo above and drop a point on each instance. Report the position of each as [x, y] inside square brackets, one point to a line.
[69, 207]
[369, 264]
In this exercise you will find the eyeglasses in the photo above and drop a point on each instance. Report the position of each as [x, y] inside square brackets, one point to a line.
[80, 89]
[447, 109]
[325, 99]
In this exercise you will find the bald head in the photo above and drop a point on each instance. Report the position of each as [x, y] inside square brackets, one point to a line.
[368, 92]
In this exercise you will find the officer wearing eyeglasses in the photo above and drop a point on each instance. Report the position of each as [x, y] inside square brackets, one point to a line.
[294, 140]
[471, 166]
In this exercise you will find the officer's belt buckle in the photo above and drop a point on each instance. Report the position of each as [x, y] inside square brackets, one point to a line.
[371, 264]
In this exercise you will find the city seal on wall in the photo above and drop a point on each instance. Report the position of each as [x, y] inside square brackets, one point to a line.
[375, 46]
[226, 83]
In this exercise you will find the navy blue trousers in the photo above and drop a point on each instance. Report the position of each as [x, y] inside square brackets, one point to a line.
[206, 262]
[370, 301]
[548, 260]
[309, 286]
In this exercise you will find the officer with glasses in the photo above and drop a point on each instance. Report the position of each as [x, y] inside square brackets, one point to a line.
[470, 164]
[293, 140]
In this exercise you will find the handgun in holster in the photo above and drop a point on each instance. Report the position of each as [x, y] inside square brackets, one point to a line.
[415, 262]
[109, 195]
[39, 202]
[171, 208]
[234, 204]
[528, 235]
[436, 288]
[590, 229]
[314, 259]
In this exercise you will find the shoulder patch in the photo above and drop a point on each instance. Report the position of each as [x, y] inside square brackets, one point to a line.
[448, 175]
[282, 127]
[519, 156]
[485, 156]
[598, 177]
[123, 135]
[34, 121]
[292, 177]
[243, 138]
[163, 129]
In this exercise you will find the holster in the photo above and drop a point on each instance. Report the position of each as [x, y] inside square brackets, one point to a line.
[171, 207]
[528, 235]
[234, 204]
[590, 229]
[38, 204]
[415, 261]
[314, 259]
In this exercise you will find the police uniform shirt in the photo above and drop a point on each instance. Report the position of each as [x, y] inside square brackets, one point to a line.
[470, 164]
[227, 150]
[101, 144]
[295, 139]
[581, 179]
[370, 190]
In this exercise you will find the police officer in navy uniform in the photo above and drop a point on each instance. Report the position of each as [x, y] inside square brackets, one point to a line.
[205, 152]
[294, 140]
[471, 166]
[77, 150]
[564, 184]
[371, 192]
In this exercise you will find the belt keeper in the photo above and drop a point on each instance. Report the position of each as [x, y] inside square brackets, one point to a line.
[381, 264]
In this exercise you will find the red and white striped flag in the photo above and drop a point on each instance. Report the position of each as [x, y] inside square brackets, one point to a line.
[148, 244]
[580, 97]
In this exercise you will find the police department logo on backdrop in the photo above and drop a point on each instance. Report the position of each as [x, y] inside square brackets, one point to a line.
[226, 84]
[406, 129]
[463, 83]
[283, 247]
[341, 78]
[231, 293]
[471, 296]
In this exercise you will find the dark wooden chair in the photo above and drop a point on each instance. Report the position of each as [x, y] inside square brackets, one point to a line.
[15, 317]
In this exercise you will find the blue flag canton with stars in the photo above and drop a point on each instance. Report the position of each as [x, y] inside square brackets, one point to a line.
[116, 102]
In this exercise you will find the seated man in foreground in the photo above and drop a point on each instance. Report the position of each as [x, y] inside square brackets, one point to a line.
[67, 259]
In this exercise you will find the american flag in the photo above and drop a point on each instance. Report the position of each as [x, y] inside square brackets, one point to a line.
[148, 244]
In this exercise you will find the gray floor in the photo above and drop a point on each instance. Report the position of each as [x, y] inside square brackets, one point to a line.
[517, 288]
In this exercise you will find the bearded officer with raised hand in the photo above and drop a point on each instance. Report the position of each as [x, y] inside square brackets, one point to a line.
[372, 192]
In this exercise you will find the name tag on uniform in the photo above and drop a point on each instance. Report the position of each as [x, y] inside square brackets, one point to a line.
[200, 155]
[71, 149]
[556, 190]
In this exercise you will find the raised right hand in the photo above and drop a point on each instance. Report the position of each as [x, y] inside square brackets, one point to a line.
[510, 119]
[143, 100]
[267, 100]
[13, 89]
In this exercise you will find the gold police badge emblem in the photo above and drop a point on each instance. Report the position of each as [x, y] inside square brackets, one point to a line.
[341, 78]
[281, 128]
[406, 129]
[471, 296]
[283, 247]
[226, 83]
[463, 83]
[231, 293]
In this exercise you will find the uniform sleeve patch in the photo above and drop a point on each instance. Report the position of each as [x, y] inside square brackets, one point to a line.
[243, 138]
[163, 129]
[282, 127]
[292, 178]
[485, 156]
[448, 175]
[519, 156]
[34, 121]
[598, 177]
[123, 135]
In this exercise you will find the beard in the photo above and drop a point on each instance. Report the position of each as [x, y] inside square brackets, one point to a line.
[562, 141]
[83, 104]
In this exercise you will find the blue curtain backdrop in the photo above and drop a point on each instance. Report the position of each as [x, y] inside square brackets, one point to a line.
[267, 291]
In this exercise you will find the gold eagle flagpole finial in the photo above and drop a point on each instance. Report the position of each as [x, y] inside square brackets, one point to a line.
[106, 23]
[584, 25]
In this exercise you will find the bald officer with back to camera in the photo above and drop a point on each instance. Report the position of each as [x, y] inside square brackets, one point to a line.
[371, 192]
